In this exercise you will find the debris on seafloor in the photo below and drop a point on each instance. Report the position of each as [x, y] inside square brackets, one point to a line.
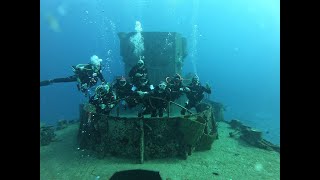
[251, 136]
[73, 121]
[62, 124]
[47, 134]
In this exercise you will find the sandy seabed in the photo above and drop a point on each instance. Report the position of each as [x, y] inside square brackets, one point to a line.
[228, 159]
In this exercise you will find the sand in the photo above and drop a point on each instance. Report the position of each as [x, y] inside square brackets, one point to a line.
[228, 159]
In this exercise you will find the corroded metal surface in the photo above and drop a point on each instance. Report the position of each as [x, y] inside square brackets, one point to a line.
[146, 138]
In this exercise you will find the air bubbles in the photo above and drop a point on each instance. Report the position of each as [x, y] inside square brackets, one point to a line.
[109, 52]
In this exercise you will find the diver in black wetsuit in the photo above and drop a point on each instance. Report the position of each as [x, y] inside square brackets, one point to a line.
[123, 90]
[176, 87]
[104, 99]
[141, 93]
[138, 72]
[86, 75]
[195, 94]
[159, 99]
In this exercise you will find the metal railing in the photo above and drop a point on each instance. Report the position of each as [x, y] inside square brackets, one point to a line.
[152, 97]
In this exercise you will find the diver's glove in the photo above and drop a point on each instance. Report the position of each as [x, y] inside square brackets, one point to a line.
[102, 106]
[96, 97]
[84, 86]
[93, 80]
[138, 74]
[110, 106]
[186, 89]
[141, 94]
[208, 86]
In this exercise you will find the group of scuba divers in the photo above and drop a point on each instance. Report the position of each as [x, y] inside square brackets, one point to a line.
[134, 90]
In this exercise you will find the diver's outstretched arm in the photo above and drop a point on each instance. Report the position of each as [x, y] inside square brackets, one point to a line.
[58, 80]
[45, 83]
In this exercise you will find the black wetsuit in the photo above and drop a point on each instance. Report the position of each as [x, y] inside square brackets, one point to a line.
[124, 92]
[176, 91]
[85, 76]
[132, 74]
[107, 100]
[195, 96]
[145, 100]
[159, 101]
[88, 75]
[58, 80]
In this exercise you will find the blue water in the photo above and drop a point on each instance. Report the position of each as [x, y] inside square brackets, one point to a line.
[233, 44]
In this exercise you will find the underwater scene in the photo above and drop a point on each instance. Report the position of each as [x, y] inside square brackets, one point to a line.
[160, 89]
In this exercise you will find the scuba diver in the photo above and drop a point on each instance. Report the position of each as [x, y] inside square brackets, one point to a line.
[142, 92]
[137, 72]
[176, 87]
[123, 91]
[104, 99]
[195, 94]
[86, 75]
[159, 99]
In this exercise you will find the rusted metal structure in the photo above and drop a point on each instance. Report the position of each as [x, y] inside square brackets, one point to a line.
[146, 138]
